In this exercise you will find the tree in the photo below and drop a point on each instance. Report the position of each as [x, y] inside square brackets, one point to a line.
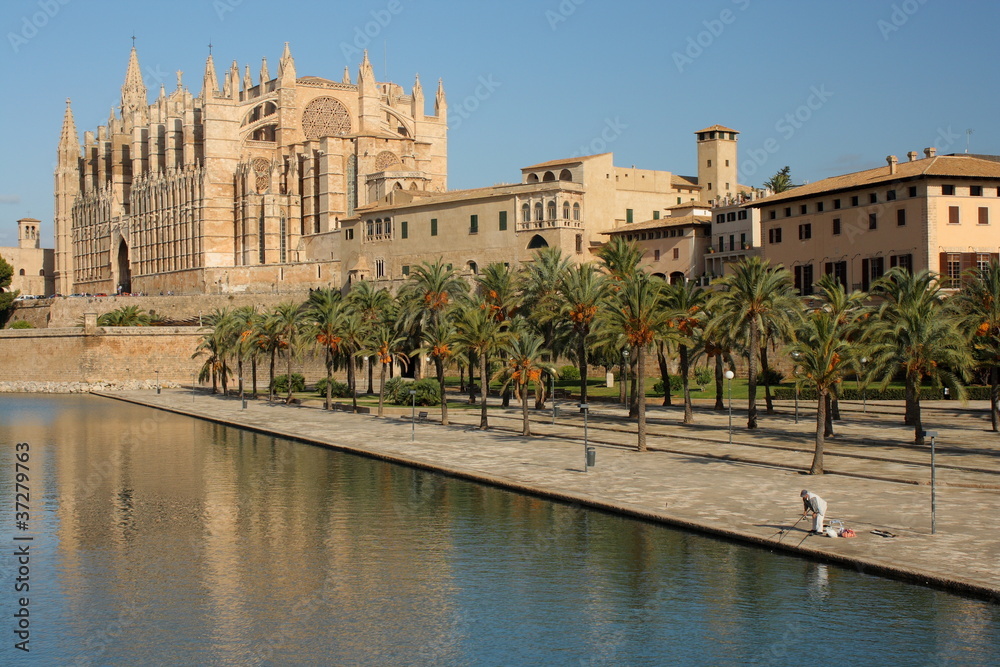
[481, 334]
[325, 312]
[750, 298]
[916, 335]
[524, 364]
[213, 346]
[6, 298]
[637, 316]
[688, 300]
[781, 181]
[353, 334]
[126, 316]
[978, 307]
[428, 293]
[385, 343]
[583, 288]
[439, 343]
[288, 320]
[240, 337]
[373, 305]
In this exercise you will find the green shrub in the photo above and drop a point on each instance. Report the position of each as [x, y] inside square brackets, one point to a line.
[675, 385]
[703, 376]
[281, 383]
[871, 394]
[770, 377]
[571, 373]
[21, 324]
[394, 388]
[337, 389]
[397, 391]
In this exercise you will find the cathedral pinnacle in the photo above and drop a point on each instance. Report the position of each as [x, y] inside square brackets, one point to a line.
[210, 82]
[347, 75]
[264, 74]
[69, 143]
[286, 67]
[133, 90]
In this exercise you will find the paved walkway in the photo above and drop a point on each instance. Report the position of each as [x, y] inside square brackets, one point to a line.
[877, 480]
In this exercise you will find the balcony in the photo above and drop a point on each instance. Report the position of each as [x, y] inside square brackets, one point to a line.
[558, 223]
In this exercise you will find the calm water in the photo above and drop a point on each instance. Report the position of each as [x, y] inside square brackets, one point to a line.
[160, 539]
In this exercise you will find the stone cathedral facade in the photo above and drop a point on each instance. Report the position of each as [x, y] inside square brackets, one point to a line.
[241, 188]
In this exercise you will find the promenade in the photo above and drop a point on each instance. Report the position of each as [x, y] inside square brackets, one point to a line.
[693, 478]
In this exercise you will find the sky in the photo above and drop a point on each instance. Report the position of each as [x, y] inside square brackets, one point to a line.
[826, 87]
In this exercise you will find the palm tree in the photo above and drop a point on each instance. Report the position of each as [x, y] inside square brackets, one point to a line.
[481, 334]
[353, 337]
[915, 334]
[372, 304]
[240, 337]
[638, 315]
[688, 300]
[439, 343]
[781, 181]
[430, 291]
[748, 299]
[498, 290]
[289, 321]
[214, 346]
[583, 288]
[325, 311]
[978, 306]
[386, 344]
[524, 365]
[620, 258]
[269, 342]
[126, 316]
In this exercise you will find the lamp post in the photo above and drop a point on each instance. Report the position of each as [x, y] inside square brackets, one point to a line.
[795, 375]
[625, 376]
[864, 386]
[157, 382]
[552, 383]
[729, 376]
[584, 408]
[413, 415]
[933, 436]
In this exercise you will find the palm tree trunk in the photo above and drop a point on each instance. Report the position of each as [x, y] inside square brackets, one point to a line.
[686, 384]
[661, 360]
[640, 354]
[540, 394]
[719, 374]
[352, 384]
[483, 379]
[371, 386]
[253, 374]
[910, 391]
[270, 385]
[828, 423]
[225, 379]
[752, 377]
[505, 397]
[329, 378]
[817, 464]
[439, 367]
[764, 368]
[461, 378]
[288, 397]
[239, 369]
[472, 383]
[621, 383]
[381, 388]
[918, 426]
[215, 381]
[582, 352]
[526, 428]
[994, 399]
[634, 387]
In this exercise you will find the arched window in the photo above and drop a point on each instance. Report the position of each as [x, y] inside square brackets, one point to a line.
[473, 268]
[532, 178]
[525, 213]
[41, 272]
[397, 186]
[565, 210]
[565, 175]
[576, 211]
[538, 210]
[549, 176]
[22, 272]
[537, 242]
[552, 210]
[283, 241]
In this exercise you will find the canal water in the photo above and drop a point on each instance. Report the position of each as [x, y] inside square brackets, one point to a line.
[160, 539]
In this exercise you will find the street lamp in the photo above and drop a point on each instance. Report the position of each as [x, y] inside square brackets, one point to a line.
[625, 376]
[864, 386]
[413, 415]
[729, 376]
[933, 436]
[795, 375]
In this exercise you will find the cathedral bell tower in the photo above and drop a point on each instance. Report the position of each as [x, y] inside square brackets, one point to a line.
[717, 173]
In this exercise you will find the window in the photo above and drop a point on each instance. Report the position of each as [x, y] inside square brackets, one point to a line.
[741, 214]
[732, 243]
[283, 241]
[854, 200]
[774, 214]
[260, 238]
[839, 271]
[954, 266]
[710, 185]
[873, 198]
[805, 231]
[473, 224]
[836, 203]
[890, 195]
[871, 270]
[576, 211]
[953, 216]
[872, 221]
[788, 211]
[819, 207]
[803, 209]
[804, 279]
[380, 268]
[709, 163]
[656, 255]
[743, 241]
[774, 235]
[836, 226]
[525, 213]
[349, 234]
[912, 191]
[503, 221]
[902, 261]
[404, 230]
[947, 189]
[579, 243]
[473, 268]
[722, 244]
[538, 211]
[720, 218]
[984, 215]
[975, 190]
[677, 253]
[434, 227]
[628, 216]
[730, 216]
[406, 269]
[983, 260]
[901, 217]
[565, 210]
[656, 215]
[727, 163]
[552, 210]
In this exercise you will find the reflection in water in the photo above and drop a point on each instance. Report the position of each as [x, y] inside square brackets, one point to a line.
[163, 539]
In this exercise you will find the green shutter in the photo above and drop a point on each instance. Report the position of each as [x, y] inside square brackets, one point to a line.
[628, 216]
[406, 269]
[474, 224]
[503, 221]
[656, 215]
[404, 229]
[434, 226]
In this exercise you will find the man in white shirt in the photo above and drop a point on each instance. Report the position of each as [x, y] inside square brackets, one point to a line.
[813, 503]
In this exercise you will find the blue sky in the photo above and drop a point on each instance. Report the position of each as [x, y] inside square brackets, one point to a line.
[825, 87]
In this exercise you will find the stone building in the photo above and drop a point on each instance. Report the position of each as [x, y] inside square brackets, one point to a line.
[226, 191]
[939, 213]
[33, 265]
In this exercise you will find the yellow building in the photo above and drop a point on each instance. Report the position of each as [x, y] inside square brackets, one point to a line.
[33, 265]
[940, 213]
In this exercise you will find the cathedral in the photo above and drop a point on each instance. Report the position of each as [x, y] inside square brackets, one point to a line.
[242, 188]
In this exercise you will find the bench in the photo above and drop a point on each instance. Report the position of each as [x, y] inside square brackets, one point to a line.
[561, 393]
[422, 416]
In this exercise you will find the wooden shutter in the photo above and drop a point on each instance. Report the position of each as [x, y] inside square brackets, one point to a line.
[865, 281]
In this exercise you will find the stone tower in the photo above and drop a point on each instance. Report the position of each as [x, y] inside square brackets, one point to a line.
[67, 188]
[717, 162]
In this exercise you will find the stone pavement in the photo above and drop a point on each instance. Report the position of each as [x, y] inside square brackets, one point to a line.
[693, 478]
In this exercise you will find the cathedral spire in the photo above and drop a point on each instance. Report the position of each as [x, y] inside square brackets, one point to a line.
[265, 76]
[210, 82]
[286, 67]
[417, 110]
[247, 81]
[69, 142]
[440, 103]
[366, 77]
[347, 75]
[133, 90]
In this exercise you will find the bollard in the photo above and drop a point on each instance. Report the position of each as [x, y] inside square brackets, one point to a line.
[591, 456]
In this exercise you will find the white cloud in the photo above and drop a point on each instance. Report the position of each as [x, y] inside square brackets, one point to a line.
[10, 199]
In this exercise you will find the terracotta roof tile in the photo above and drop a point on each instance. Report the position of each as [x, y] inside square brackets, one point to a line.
[555, 163]
[718, 128]
[662, 223]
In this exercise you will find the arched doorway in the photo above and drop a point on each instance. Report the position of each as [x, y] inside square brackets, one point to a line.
[537, 242]
[124, 271]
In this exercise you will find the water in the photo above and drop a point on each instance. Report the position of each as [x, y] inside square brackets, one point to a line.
[160, 539]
